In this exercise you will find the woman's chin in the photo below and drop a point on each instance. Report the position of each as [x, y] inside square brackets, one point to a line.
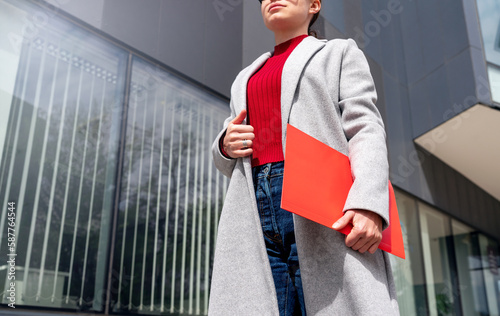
[278, 24]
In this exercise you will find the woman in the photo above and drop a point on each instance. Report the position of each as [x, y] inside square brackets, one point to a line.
[268, 261]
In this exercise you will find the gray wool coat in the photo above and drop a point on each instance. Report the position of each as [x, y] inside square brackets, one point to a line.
[327, 92]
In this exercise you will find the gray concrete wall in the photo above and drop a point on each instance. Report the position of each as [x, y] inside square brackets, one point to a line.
[199, 38]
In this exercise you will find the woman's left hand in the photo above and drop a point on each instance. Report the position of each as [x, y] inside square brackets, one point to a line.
[366, 233]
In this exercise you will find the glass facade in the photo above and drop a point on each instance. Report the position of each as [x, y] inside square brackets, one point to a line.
[92, 134]
[171, 195]
[107, 157]
[450, 268]
[489, 16]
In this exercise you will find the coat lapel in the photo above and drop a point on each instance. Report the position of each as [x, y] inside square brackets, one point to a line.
[292, 71]
[241, 102]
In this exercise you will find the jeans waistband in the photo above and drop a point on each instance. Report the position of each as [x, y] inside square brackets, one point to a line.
[268, 170]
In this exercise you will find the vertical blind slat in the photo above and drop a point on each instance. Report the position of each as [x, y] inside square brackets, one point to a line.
[92, 194]
[39, 178]
[80, 190]
[177, 206]
[50, 210]
[200, 226]
[209, 219]
[137, 207]
[194, 211]
[14, 152]
[146, 225]
[158, 201]
[127, 201]
[186, 212]
[167, 205]
[68, 177]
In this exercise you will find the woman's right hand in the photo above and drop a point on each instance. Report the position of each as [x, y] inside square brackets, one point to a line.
[239, 137]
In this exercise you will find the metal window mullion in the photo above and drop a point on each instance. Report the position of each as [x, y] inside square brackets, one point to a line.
[91, 205]
[53, 187]
[80, 189]
[176, 221]
[13, 159]
[137, 208]
[158, 203]
[209, 223]
[147, 202]
[39, 184]
[167, 208]
[127, 195]
[68, 177]
[186, 205]
[195, 210]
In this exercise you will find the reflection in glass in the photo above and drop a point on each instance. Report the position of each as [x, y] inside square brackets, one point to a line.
[494, 76]
[471, 283]
[171, 195]
[435, 230]
[490, 259]
[489, 16]
[59, 163]
[408, 273]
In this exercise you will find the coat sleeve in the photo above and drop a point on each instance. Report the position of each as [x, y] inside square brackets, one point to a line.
[224, 164]
[364, 129]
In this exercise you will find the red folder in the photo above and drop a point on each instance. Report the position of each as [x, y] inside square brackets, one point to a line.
[316, 182]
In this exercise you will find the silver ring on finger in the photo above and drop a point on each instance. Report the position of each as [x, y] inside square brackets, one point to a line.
[245, 143]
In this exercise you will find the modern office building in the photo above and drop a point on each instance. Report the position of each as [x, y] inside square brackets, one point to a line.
[108, 108]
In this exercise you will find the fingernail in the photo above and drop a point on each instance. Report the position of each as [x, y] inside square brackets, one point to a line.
[336, 225]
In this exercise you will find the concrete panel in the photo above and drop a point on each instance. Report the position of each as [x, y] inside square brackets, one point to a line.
[461, 83]
[182, 37]
[89, 11]
[133, 22]
[388, 42]
[223, 46]
[438, 184]
[331, 31]
[419, 107]
[432, 37]
[483, 92]
[399, 53]
[257, 38]
[372, 32]
[472, 24]
[453, 27]
[333, 12]
[451, 189]
[352, 9]
[378, 78]
[412, 43]
[439, 99]
[394, 126]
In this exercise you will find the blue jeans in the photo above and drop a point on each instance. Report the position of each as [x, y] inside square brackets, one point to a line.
[277, 226]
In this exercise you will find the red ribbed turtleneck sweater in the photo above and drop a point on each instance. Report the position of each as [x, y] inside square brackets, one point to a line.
[264, 105]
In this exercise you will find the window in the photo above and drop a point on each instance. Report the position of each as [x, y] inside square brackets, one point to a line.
[171, 195]
[408, 273]
[59, 160]
[435, 230]
[489, 16]
[471, 283]
[490, 263]
[68, 127]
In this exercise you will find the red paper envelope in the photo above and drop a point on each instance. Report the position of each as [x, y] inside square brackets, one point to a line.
[316, 182]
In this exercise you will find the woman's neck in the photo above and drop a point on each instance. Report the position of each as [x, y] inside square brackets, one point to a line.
[283, 36]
